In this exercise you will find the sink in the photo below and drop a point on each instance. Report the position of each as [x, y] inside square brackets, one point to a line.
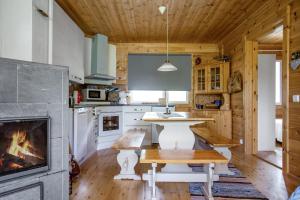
[164, 115]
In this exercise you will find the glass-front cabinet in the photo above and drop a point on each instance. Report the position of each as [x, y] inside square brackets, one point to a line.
[211, 78]
[201, 82]
[216, 78]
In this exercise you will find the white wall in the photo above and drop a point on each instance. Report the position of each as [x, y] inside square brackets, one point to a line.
[16, 29]
[266, 102]
[68, 43]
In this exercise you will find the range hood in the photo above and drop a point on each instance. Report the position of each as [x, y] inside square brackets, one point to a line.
[99, 64]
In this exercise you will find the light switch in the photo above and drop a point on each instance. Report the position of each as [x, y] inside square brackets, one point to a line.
[296, 98]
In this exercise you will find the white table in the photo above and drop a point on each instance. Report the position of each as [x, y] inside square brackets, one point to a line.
[176, 133]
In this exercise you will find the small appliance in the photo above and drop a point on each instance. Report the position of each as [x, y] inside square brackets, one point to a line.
[94, 94]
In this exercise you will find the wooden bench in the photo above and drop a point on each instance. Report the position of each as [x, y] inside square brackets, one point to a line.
[216, 142]
[207, 157]
[127, 144]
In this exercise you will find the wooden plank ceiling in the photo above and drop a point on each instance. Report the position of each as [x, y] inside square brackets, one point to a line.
[275, 37]
[140, 20]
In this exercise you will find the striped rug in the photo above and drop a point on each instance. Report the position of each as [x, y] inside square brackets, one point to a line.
[229, 187]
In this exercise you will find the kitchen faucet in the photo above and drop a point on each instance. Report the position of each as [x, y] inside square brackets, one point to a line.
[168, 110]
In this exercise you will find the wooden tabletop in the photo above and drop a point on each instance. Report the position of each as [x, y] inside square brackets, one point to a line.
[181, 156]
[212, 138]
[132, 139]
[175, 116]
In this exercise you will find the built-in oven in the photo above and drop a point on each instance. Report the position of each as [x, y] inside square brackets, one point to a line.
[110, 123]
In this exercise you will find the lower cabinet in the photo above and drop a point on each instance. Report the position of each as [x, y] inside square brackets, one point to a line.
[222, 124]
[133, 119]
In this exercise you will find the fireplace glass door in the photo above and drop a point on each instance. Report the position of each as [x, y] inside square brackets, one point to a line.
[24, 147]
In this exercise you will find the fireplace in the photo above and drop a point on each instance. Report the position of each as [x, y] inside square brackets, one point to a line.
[24, 147]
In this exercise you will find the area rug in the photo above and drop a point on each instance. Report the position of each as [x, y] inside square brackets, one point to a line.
[229, 187]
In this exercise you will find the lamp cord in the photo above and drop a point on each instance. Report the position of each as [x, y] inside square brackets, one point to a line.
[167, 33]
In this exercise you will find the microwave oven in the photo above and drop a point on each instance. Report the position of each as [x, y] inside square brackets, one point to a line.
[94, 94]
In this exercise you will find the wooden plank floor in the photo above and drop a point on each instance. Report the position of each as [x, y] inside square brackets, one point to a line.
[96, 180]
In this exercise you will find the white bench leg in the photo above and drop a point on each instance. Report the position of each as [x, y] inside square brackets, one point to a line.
[154, 165]
[223, 168]
[127, 160]
[208, 185]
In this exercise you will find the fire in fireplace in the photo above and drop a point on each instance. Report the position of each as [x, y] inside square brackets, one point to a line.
[24, 147]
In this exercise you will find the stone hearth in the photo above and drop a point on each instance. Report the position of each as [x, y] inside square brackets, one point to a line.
[34, 90]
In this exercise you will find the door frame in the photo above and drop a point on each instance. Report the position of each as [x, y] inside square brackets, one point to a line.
[250, 97]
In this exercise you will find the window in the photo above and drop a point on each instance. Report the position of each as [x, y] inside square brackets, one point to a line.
[178, 97]
[150, 96]
[278, 82]
[146, 96]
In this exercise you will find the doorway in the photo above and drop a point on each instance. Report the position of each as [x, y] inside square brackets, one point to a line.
[269, 102]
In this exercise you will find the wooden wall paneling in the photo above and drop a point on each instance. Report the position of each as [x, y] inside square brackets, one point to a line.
[254, 96]
[236, 99]
[285, 88]
[293, 132]
[226, 74]
[248, 96]
[257, 24]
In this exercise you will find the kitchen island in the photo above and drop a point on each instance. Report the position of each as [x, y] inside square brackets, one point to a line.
[176, 133]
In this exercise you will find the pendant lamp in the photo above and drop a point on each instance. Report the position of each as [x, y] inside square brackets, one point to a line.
[167, 66]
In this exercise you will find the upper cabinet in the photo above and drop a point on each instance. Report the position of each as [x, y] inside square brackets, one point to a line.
[211, 78]
[25, 30]
[112, 61]
[68, 44]
[201, 79]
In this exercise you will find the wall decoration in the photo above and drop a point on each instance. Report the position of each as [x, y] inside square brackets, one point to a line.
[235, 83]
[295, 62]
[198, 60]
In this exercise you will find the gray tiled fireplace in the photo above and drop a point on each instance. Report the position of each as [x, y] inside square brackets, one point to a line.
[29, 90]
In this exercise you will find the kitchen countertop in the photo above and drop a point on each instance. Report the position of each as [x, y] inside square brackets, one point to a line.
[174, 117]
[117, 104]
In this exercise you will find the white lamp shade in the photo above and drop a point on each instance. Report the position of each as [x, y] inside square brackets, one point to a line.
[162, 9]
[167, 67]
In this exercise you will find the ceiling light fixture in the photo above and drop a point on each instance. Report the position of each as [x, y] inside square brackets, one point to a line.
[167, 66]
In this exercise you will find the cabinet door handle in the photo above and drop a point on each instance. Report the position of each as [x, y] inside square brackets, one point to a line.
[43, 13]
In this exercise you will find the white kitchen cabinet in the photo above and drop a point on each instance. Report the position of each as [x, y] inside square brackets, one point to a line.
[133, 120]
[25, 29]
[68, 44]
[131, 109]
[40, 31]
[92, 132]
[112, 61]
